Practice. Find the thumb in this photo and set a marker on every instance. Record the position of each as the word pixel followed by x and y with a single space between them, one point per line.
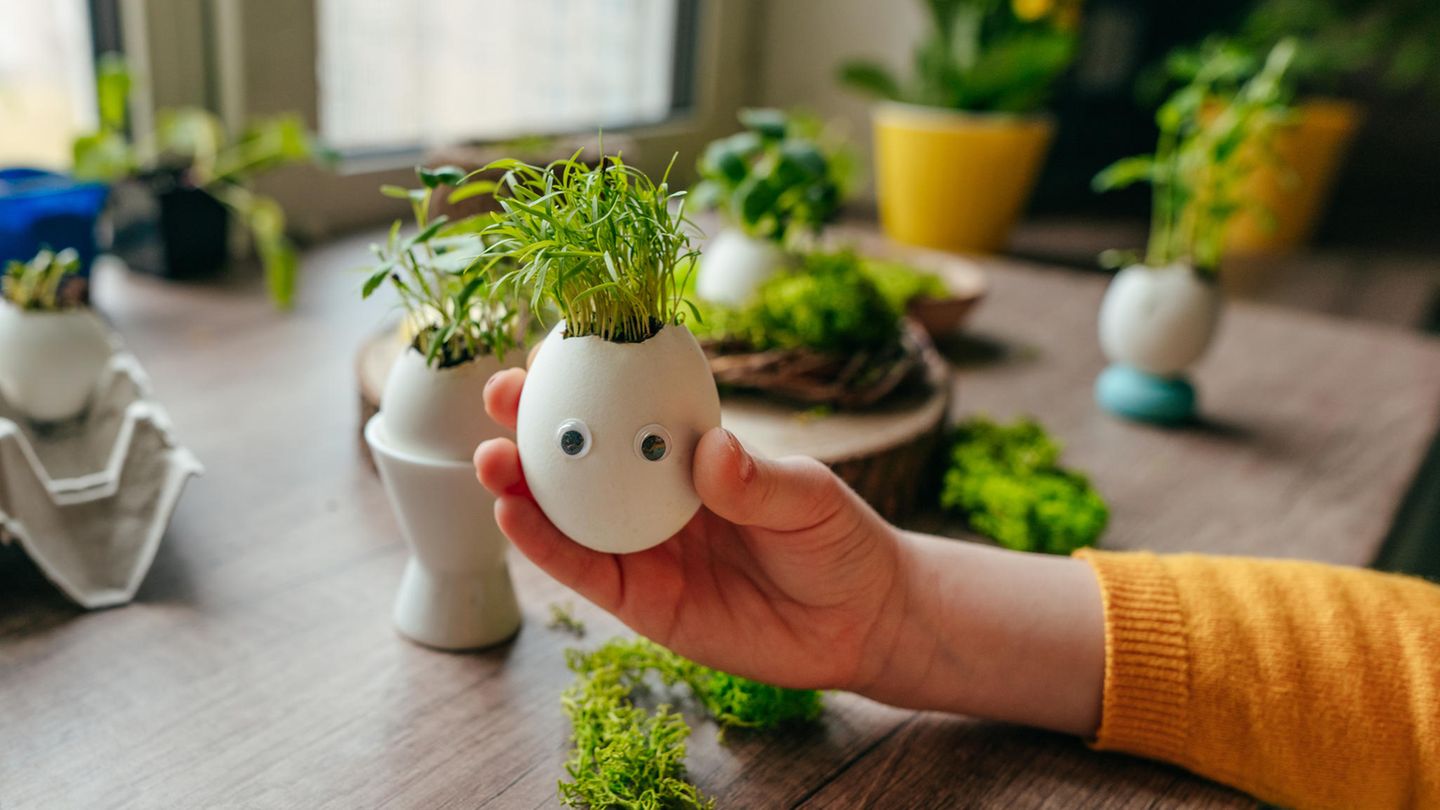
pixel 787 494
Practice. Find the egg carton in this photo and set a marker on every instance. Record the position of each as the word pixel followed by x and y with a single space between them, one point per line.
pixel 89 502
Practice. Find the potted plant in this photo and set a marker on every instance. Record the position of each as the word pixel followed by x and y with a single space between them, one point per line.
pixel 175 192
pixel 1339 45
pixel 619 393
pixel 456 591
pixel 1159 314
pixel 53 351
pixel 775 183
pixel 959 146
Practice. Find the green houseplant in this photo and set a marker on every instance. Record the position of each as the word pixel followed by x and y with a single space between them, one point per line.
pixel 177 189
pixel 1340 46
pixel 1159 315
pixel 456 591
pixel 619 393
pixel 776 183
pixel 53 351
pixel 959 144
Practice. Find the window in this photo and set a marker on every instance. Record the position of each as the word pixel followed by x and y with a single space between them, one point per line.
pixel 473 70
pixel 47 80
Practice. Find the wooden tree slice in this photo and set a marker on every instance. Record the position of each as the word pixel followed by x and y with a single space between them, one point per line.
pixel 884 453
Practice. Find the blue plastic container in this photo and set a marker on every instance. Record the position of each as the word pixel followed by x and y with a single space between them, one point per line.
pixel 40 209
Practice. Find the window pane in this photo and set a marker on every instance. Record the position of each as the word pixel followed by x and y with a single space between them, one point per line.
pixel 463 70
pixel 47 80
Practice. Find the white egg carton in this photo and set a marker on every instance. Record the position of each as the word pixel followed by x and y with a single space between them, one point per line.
pixel 89 504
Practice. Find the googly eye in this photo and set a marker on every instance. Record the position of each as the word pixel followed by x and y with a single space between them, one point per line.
pixel 573 436
pixel 652 443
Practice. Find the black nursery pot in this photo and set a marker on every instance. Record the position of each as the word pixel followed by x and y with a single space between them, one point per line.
pixel 166 226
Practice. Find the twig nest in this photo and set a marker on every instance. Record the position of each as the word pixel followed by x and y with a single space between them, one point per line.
pixel 735 264
pixel 607 434
pixel 811 377
pixel 439 413
pixel 50 361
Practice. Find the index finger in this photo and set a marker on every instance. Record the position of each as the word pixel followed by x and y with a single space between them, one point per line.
pixel 502 396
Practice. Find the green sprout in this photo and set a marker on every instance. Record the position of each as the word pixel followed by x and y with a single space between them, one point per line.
pixel 829 303
pixel 981 56
pixel 452 305
pixel 1201 158
pixel 1006 482
pixel 625 756
pixel 777 179
pixel 604 245
pixel 562 618
pixel 35 285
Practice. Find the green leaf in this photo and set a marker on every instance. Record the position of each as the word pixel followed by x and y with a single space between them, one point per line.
pixel 1125 172
pixel 871 79
pixel 440 176
pixel 474 188
pixel 767 123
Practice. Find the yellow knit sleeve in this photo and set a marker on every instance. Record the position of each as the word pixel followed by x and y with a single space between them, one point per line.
pixel 1303 684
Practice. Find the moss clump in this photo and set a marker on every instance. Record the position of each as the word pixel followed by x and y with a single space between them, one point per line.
pixel 1006 482
pixel 899 284
pixel 626 756
pixel 828 304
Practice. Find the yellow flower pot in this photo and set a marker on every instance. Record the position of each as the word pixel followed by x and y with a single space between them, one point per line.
pixel 955 180
pixel 1294 187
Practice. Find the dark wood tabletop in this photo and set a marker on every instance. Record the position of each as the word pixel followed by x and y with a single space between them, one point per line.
pixel 257 666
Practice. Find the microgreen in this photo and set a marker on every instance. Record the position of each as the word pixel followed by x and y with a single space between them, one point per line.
pixel 780 178
pixel 1211 131
pixel 433 271
pixel 1006 482
pixel 626 756
pixel 35 285
pixel 828 303
pixel 981 56
pixel 604 245
pixel 562 618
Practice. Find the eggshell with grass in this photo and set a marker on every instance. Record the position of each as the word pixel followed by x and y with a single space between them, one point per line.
pixel 607 435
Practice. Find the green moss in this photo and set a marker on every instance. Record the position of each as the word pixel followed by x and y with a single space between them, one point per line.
pixel 626 756
pixel 1006 482
pixel 899 284
pixel 828 304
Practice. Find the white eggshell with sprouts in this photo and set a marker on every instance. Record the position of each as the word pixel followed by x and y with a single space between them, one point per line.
pixel 50 362
pixel 590 413
pixel 735 264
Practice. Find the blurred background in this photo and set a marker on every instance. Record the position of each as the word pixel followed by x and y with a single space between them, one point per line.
pixel 385 86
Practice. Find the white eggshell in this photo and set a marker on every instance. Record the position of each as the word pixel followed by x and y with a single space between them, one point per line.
pixel 439 413
pixel 611 498
pixel 735 264
pixel 1160 319
pixel 50 362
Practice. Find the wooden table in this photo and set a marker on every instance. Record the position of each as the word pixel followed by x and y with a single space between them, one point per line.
pixel 257 667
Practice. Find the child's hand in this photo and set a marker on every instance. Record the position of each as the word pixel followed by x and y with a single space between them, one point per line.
pixel 784 575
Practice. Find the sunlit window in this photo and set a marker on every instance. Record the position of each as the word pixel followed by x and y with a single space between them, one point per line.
pixel 47 82
pixel 465 70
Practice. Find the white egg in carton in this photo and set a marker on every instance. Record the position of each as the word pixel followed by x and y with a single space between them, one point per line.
pixel 89 502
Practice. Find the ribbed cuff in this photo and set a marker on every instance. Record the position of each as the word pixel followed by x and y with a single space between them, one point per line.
pixel 1147 657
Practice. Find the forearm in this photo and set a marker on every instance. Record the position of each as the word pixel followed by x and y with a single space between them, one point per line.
pixel 995 634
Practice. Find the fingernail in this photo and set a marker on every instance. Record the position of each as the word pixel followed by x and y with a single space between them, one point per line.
pixel 490 381
pixel 747 464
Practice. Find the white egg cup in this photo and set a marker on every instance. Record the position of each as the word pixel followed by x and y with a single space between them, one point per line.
pixel 735 264
pixel 607 435
pixel 456 592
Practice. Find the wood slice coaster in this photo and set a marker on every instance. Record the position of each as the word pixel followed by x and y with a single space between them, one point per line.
pixel 884 453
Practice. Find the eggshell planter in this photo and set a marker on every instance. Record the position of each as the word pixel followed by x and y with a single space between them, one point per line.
pixel 1154 324
pixel 607 434
pixel 735 264
pixel 90 504
pixel 456 591
pixel 50 362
